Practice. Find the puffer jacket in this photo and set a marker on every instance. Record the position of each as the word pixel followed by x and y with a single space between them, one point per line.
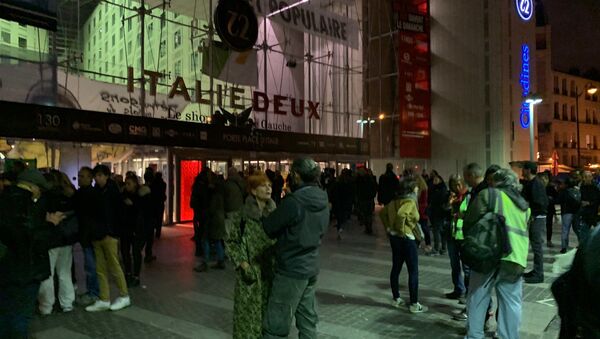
pixel 401 217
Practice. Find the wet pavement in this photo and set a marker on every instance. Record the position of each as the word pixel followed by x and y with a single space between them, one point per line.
pixel 354 299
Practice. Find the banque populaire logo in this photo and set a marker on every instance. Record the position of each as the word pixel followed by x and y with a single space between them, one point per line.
pixel 525 9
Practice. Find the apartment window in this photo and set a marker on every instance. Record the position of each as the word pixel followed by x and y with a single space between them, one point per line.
pixel 573 161
pixel 556 112
pixel 595 143
pixel 121 54
pixel 22 42
pixel 89 29
pixel 556 90
pixel 193 61
pixel 129 47
pixel 588 141
pixel 150 29
pixel 573 89
pixel 94 23
pixel 588 120
pixel 113 40
pixel 178 68
pixel 564 112
pixel 100 14
pixel 564 87
pixel 94 41
pixel 573 117
pixel 177 39
pixel 99 55
pixel 556 140
pixel 106 27
pixel 106 46
pixel 129 25
pixel 6 37
pixel 106 66
pixel 114 19
pixel 162 48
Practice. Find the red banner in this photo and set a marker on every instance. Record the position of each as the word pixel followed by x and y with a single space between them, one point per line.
pixel 414 77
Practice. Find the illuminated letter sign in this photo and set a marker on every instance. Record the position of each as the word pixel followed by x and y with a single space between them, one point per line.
pixel 525 82
pixel 524 9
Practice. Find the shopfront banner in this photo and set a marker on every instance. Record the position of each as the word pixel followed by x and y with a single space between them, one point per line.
pixel 414 85
pixel 311 18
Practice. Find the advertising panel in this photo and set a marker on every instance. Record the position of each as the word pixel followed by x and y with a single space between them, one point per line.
pixel 414 77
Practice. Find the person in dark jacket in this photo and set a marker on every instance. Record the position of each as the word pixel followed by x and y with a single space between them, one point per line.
pixel 342 200
pixel 278 183
pixel 87 200
pixel 388 185
pixel 60 198
pixel 138 208
pixel 235 192
pixel 298 224
pixel 199 201
pixel 590 201
pixel 552 193
pixel 439 213
pixel 215 221
pixel 150 224
pixel 534 192
pixel 28 231
pixel 570 205
pixel 106 243
pixel 159 195
pixel 366 190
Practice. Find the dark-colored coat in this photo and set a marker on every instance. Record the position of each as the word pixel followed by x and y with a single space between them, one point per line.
pixel 534 192
pixel 235 191
pixel 366 187
pixel 27 236
pixel 137 219
pixel 570 200
pixel 87 207
pixel 388 186
pixel 216 211
pixel 110 207
pixel 591 194
pixel 298 224
pixel 438 209
pixel 277 185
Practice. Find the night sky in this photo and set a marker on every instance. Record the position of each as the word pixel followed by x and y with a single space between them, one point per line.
pixel 575 33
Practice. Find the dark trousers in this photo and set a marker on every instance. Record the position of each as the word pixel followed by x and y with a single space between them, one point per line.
pixel 405 250
pixel 536 238
pixel 549 224
pixel 149 239
pixel 460 282
pixel 131 246
pixel 291 297
pixel 159 220
pixel 199 232
pixel 438 228
pixel 365 214
pixel 17 306
pixel 425 227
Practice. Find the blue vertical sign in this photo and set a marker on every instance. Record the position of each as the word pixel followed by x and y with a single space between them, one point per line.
pixel 525 81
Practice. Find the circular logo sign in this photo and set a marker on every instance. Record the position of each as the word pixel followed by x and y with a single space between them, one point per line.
pixel 236 24
pixel 525 9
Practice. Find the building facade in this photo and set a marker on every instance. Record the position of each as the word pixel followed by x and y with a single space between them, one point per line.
pixel 482 67
pixel 567 107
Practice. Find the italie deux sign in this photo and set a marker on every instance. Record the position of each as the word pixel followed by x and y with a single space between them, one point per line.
pixel 288 112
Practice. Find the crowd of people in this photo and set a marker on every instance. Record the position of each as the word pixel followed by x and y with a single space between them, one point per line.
pixel 270 230
pixel 42 215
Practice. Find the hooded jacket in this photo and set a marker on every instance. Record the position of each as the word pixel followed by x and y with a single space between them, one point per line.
pixel 400 218
pixel 298 224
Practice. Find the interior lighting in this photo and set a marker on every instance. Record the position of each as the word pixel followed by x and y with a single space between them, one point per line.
pixel 288 7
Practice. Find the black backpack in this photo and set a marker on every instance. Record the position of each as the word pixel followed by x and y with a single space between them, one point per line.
pixel 487 241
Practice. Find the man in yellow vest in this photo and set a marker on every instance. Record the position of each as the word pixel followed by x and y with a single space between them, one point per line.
pixel 507 280
pixel 458 201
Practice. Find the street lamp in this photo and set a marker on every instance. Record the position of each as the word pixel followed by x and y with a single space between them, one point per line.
pixel 532 100
pixel 591 90
pixel 363 122
pixel 381 117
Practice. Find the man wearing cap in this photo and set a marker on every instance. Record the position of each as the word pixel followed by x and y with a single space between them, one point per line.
pixel 534 192
pixel 28 231
pixel 298 225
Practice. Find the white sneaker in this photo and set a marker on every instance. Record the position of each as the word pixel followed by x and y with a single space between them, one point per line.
pixel 98 306
pixel 67 309
pixel 418 308
pixel 397 302
pixel 120 303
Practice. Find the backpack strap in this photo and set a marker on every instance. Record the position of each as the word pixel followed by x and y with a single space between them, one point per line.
pixel 492 194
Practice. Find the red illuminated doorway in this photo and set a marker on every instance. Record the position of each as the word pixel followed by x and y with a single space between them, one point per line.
pixel 188 170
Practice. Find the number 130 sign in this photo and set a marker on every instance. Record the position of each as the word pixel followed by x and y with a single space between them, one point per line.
pixel 236 24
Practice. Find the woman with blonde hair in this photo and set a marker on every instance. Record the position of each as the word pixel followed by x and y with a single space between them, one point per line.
pixel 252 254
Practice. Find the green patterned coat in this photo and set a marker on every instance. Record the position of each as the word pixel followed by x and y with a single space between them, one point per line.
pixel 253 285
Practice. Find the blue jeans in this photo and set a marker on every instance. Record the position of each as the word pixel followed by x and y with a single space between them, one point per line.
pixel 17 307
pixel 458 267
pixel 218 247
pixel 567 221
pixel 89 266
pixel 405 250
pixel 510 296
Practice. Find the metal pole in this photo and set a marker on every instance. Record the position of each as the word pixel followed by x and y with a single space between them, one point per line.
pixel 577 95
pixel 531 132
pixel 381 138
pixel 265 64
pixel 309 59
pixel 142 12
pixel 210 58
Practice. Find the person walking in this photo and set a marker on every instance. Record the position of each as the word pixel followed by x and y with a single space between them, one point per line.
pixel 27 231
pixel 366 190
pixel 400 218
pixel 506 279
pixel 159 195
pixel 342 200
pixel 388 185
pixel 86 201
pixel 534 192
pixel 298 224
pixel 150 224
pixel 199 203
pixel 59 198
pixel 439 211
pixel 215 222
pixel 570 205
pixel 252 253
pixel 106 243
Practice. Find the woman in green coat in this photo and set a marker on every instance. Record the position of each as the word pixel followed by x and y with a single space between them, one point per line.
pixel 252 254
